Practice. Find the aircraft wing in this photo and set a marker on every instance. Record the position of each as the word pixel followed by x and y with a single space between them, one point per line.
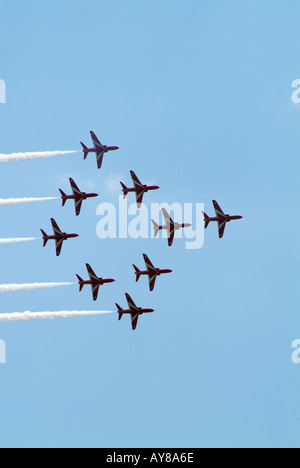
pixel 78 204
pixel 152 273
pixel 75 189
pixel 139 188
pixel 221 227
pixel 152 279
pixel 218 211
pixel 96 142
pixel 59 243
pixel 170 227
pixel 91 273
pixel 99 157
pixel 95 290
pixel 134 320
pixel 131 304
pixel 148 264
pixel 171 236
pixel 168 219
pixel 95 281
pixel 139 198
pixel 137 183
pixel 56 230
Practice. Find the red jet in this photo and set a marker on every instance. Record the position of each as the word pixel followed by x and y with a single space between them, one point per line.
pixel 99 149
pixel 133 310
pixel 170 226
pixel 77 196
pixel 58 236
pixel 221 218
pixel 94 281
pixel 138 188
pixel 151 272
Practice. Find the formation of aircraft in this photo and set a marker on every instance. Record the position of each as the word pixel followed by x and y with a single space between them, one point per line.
pixel 77 196
pixel 139 189
pixel 94 281
pixel 98 149
pixel 221 218
pixel 133 310
pixel 151 272
pixel 171 227
pixel 58 236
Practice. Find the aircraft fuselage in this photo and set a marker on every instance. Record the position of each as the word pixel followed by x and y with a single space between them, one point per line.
pixel 100 281
pixel 103 148
pixel 83 196
pixel 63 236
pixel 227 218
pixel 158 271
pixel 144 188
pixel 139 310
pixel 177 226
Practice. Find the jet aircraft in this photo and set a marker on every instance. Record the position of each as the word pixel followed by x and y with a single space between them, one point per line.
pixel 58 236
pixel 98 148
pixel 77 196
pixel 133 310
pixel 151 272
pixel 170 226
pixel 94 281
pixel 139 189
pixel 221 218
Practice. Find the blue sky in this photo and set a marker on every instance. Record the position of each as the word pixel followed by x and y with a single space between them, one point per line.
pixel 198 97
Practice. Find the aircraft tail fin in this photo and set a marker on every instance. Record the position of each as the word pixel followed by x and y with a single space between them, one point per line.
pixel 80 281
pixel 206 219
pixel 124 190
pixel 45 239
pixel 156 228
pixel 119 311
pixel 63 197
pixel 84 149
pixel 137 273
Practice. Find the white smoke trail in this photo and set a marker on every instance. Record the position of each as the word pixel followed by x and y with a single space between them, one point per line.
pixel 28 286
pixel 16 201
pixel 34 155
pixel 20 316
pixel 17 239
